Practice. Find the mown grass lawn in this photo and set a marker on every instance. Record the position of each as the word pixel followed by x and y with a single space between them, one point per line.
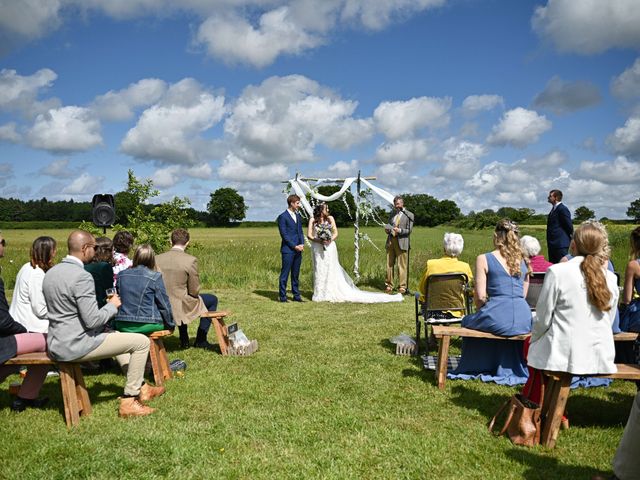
pixel 324 397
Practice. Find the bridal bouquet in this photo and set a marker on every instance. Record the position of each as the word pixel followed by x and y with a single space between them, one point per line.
pixel 323 233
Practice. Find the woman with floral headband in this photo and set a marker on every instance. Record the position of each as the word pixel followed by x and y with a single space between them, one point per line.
pixel 502 279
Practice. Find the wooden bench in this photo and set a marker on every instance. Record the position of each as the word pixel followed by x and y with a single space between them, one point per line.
pixel 158 356
pixel 444 333
pixel 74 392
pixel 217 318
pixel 222 334
pixel 557 393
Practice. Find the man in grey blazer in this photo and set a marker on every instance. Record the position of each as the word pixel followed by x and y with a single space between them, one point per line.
pixel 398 230
pixel 77 325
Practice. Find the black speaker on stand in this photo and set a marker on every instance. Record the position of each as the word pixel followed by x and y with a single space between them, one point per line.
pixel 103 211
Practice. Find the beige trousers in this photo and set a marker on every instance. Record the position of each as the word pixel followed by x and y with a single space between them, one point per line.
pixel 626 463
pixel 396 255
pixel 131 348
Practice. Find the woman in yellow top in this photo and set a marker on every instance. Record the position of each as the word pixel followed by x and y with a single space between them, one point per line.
pixel 452 244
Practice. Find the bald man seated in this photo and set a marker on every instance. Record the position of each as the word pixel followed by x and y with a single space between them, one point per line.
pixel 77 325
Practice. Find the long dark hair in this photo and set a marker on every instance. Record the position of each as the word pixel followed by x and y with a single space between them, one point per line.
pixel 318 210
pixel 42 252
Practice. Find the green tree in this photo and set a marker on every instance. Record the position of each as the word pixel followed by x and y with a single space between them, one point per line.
pixel 634 210
pixel 583 213
pixel 430 211
pixel 518 215
pixel 125 203
pixel 225 206
pixel 153 225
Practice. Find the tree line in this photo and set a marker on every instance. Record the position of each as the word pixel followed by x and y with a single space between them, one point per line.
pixel 226 207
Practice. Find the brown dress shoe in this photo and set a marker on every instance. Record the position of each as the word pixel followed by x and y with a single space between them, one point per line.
pixel 131 407
pixel 147 392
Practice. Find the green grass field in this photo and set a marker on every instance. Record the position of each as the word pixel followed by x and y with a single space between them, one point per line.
pixel 324 396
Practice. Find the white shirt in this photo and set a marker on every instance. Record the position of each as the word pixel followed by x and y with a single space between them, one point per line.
pixel 569 334
pixel 28 306
pixel 293 215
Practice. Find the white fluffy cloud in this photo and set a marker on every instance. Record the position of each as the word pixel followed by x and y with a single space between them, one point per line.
pixel 171 175
pixel 402 151
pixel 169 131
pixel 236 170
pixel 83 185
pixel 627 84
pixel 65 129
pixel 26 20
pixel 19 93
pixel 474 104
pixel 8 133
pixel 234 39
pixel 343 169
pixel 519 127
pixel 620 171
pixel 564 97
pixel 58 169
pixel 403 118
pixel 121 104
pixel 461 159
pixel 626 139
pixel 283 119
pixel 588 26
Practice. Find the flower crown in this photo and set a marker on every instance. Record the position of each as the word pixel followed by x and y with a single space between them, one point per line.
pixel 509 226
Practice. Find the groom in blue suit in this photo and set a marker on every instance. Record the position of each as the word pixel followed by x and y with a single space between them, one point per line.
pixel 290 226
pixel 559 227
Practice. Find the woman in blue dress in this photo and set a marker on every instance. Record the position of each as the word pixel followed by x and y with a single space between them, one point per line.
pixel 630 319
pixel 502 279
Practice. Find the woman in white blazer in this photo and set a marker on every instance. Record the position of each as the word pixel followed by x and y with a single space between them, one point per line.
pixel 576 308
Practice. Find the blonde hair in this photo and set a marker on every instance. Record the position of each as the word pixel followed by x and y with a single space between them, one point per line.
pixel 145 256
pixel 591 242
pixel 506 240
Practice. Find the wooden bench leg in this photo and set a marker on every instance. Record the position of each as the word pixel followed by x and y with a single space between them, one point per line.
pixel 443 356
pixel 69 396
pixel 221 334
pixel 84 404
pixel 159 361
pixel 559 389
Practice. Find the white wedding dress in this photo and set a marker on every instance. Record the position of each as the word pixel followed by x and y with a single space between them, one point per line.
pixel 332 284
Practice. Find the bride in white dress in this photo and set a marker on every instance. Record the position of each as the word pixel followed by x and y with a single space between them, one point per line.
pixel 330 282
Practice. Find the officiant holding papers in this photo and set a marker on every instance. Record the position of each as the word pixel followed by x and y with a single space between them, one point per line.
pixel 398 229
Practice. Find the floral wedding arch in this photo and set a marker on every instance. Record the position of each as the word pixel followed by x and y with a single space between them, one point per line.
pixel 364 206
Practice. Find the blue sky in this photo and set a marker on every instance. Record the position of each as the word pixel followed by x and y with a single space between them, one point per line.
pixel 489 103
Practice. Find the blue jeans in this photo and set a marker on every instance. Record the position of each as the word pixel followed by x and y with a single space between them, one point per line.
pixel 211 302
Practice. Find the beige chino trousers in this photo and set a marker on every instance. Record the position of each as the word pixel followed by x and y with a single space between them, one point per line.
pixel 395 255
pixel 626 463
pixel 131 348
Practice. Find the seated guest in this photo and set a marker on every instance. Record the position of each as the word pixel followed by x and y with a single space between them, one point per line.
pixel 531 250
pixel 180 275
pixel 28 306
pixel 101 269
pixel 145 305
pixel 500 288
pixel 14 340
pixel 76 324
pixel 453 244
pixel 575 311
pixel 122 243
pixel 630 321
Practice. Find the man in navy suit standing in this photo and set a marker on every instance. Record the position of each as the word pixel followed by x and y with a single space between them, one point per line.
pixel 559 227
pixel 290 226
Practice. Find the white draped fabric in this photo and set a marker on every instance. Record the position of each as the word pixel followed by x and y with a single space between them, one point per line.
pixel 301 188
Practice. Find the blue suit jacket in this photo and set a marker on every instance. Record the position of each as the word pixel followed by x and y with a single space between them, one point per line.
pixel 559 227
pixel 290 232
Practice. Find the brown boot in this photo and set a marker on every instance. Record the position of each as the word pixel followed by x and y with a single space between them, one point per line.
pixel 147 392
pixel 131 407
